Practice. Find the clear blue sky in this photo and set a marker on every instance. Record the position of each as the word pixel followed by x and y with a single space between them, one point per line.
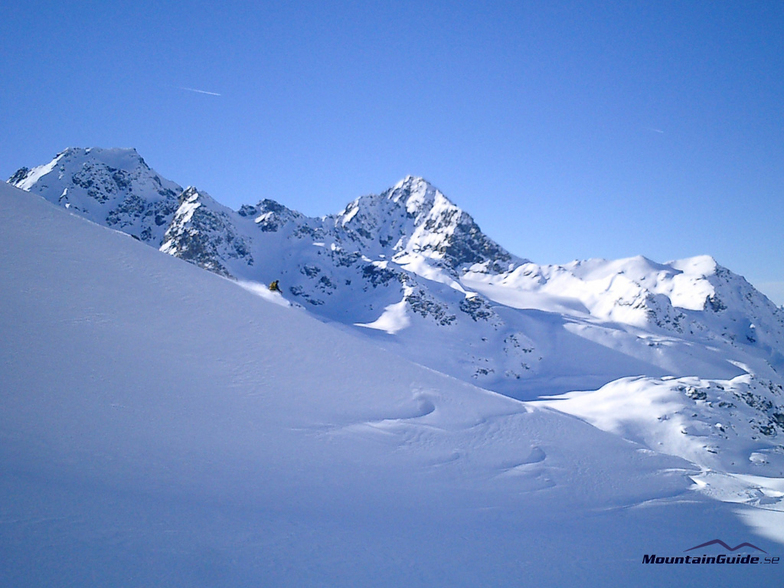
pixel 567 129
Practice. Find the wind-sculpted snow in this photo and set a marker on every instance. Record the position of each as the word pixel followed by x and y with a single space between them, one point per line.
pixel 732 429
pixel 161 425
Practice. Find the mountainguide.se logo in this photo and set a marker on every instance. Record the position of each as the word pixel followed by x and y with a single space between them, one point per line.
pixel 753 557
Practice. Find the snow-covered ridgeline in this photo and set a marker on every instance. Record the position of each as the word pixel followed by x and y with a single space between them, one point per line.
pixel 416 269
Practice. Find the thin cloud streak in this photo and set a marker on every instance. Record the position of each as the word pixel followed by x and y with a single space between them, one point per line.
pixel 199 91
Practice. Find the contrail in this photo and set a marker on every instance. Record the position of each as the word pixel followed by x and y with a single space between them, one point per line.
pixel 655 130
pixel 199 91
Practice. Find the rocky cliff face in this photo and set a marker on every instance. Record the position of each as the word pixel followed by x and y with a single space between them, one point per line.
pixel 203 232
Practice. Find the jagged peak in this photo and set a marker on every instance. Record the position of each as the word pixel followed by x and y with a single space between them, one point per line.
pixel 410 181
pixel 416 217
pixel 192 195
pixel 413 197
pixel 267 205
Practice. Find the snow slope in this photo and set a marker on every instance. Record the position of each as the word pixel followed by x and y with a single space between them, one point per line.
pixel 161 425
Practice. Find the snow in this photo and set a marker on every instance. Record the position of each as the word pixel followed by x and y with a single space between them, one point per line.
pixel 593 286
pixel 420 266
pixel 349 213
pixel 188 207
pixel 394 318
pixel 37 173
pixel 264 292
pixel 716 425
pixel 114 187
pixel 586 324
pixel 162 426
pixel 183 215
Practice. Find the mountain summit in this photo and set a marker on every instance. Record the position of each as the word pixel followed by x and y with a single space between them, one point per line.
pixel 415 218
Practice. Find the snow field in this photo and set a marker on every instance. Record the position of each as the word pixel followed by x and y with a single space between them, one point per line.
pixel 162 426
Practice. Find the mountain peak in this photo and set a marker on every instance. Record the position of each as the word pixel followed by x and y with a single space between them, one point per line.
pixel 112 186
pixel 102 173
pixel 417 195
pixel 193 195
pixel 414 219
pixel 410 181
pixel 126 158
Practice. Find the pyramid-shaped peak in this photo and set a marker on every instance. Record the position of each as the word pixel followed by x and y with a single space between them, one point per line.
pixel 411 185
pixel 418 195
pixel 411 182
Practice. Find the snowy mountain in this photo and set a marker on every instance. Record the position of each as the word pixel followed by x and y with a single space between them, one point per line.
pixel 114 187
pixel 684 357
pixel 410 269
pixel 161 425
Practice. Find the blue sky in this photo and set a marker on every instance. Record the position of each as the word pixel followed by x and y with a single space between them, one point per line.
pixel 567 129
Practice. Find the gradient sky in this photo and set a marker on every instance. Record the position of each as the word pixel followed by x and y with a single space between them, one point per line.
pixel 568 130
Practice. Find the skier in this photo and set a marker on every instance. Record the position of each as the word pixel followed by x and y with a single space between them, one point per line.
pixel 274 286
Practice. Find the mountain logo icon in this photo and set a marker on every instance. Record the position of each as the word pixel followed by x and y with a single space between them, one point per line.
pixel 725 546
